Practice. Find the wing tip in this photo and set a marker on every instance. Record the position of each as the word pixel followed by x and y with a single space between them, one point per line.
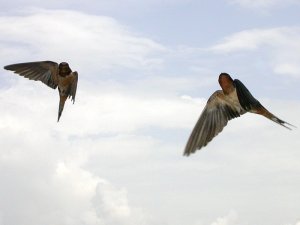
pixel 186 154
pixel 189 151
pixel 7 67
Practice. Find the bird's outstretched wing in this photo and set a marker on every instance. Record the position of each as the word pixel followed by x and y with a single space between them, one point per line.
pixel 213 119
pixel 45 71
pixel 74 86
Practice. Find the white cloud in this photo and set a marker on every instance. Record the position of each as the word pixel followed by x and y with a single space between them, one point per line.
pixel 95 112
pixel 44 182
pixel 255 38
pixel 281 45
pixel 76 37
pixel 288 68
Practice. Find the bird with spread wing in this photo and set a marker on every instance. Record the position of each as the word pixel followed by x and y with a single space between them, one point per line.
pixel 223 105
pixel 53 75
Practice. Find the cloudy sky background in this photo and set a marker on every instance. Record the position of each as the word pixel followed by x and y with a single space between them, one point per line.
pixel 146 70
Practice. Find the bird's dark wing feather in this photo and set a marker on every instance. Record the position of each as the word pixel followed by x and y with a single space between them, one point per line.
pixel 213 119
pixel 246 99
pixel 74 86
pixel 45 71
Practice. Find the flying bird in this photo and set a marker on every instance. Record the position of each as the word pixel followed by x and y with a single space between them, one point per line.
pixel 223 105
pixel 53 75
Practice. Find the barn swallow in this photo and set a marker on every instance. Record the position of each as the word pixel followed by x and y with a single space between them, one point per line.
pixel 223 105
pixel 53 75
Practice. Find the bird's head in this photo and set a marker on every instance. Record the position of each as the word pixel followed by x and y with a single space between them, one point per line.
pixel 64 69
pixel 226 83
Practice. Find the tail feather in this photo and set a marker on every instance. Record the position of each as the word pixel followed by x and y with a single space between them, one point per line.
pixel 264 112
pixel 62 101
pixel 281 122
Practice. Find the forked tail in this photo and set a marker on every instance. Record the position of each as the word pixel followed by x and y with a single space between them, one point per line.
pixel 263 111
pixel 281 122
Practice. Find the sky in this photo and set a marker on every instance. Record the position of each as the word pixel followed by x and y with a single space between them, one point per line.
pixel 146 69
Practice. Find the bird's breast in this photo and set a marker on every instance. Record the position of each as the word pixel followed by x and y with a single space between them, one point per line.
pixel 64 84
pixel 233 100
pixel 65 81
